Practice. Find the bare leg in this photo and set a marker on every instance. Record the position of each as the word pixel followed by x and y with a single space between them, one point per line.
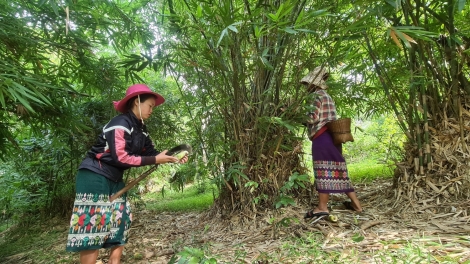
pixel 354 201
pixel 322 203
pixel 88 256
pixel 115 255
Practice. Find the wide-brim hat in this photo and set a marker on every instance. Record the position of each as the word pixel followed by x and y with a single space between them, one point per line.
pixel 134 90
pixel 316 77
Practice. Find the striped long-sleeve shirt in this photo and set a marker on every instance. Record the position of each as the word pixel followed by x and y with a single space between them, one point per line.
pixel 324 112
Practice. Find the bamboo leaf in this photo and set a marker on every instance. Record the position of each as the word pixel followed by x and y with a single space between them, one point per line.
pixel 142 66
pixel 266 63
pixel 221 36
pixel 307 30
pixel 258 31
pixel 417 32
pixel 290 30
pixel 300 18
pixel 404 37
pixel 273 17
pixel 410 39
pixel 283 123
pixel 395 3
pixel 457 40
pixel 225 31
pixel 232 28
pixel 358 24
pixel 55 7
pixel 306 19
pixel 199 11
pixel 394 37
pixel 41 96
pixel 283 11
pixel 2 99
pixel 265 52
pixel 461 5
pixel 26 93
pixel 22 100
pixel 319 12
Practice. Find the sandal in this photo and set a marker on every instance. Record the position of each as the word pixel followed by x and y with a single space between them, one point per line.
pixel 311 214
pixel 348 205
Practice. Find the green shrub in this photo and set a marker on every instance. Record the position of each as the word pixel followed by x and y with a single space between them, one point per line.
pixel 380 139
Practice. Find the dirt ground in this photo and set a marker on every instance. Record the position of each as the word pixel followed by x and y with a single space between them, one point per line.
pixel 442 228
pixel 436 227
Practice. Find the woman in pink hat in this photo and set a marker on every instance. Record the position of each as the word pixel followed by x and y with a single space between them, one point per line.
pixel 329 165
pixel 124 143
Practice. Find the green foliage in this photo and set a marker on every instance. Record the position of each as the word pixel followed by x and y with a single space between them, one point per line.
pixel 186 174
pixel 192 256
pixel 31 241
pixel 60 75
pixel 252 97
pixel 357 238
pixel 229 73
pixel 284 200
pixel 295 181
pixel 378 139
pixel 370 170
pixel 42 171
pixel 235 174
pixel 45 64
pixel 174 201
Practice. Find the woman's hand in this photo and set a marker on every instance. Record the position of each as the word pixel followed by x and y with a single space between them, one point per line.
pixel 162 158
pixel 184 159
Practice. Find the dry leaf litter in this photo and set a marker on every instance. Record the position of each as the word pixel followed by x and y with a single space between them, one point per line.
pixel 431 213
pixel 441 229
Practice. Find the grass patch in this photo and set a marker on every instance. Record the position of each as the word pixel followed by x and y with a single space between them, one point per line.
pixel 4 226
pixel 39 242
pixel 369 170
pixel 191 199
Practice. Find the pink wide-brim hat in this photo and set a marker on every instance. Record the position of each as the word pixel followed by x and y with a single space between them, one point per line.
pixel 135 90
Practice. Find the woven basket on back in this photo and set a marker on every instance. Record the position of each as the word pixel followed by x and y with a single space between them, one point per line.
pixel 341 130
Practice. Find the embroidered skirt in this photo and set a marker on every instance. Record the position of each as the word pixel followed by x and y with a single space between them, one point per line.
pixel 96 222
pixel 329 166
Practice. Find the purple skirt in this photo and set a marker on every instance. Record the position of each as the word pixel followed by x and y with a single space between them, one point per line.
pixel 329 166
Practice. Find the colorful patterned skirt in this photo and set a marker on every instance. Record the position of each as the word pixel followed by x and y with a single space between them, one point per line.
pixel 329 166
pixel 96 222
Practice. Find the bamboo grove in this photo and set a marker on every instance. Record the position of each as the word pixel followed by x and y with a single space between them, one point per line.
pixel 231 70
pixel 411 54
pixel 430 101
pixel 246 60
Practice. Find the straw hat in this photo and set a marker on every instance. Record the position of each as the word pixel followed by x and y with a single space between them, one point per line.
pixel 133 91
pixel 316 77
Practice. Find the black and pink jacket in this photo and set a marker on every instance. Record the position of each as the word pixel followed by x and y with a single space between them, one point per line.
pixel 124 143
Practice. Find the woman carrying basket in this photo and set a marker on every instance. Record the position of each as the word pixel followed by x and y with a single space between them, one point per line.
pixel 329 165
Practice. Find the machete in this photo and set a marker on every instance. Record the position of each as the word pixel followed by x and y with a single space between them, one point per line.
pixel 179 151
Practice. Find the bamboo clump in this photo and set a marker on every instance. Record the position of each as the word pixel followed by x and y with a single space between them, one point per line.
pixel 448 171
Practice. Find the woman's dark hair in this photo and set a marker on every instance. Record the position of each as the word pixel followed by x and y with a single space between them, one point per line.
pixel 143 98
